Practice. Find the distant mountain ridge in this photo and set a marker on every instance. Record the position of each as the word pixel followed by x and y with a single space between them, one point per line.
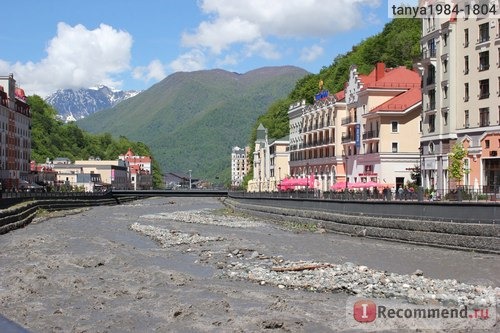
pixel 73 104
pixel 191 120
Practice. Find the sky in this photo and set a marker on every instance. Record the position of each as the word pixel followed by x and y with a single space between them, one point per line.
pixel 131 45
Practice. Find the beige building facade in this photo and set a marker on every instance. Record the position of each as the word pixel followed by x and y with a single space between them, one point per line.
pixel 240 165
pixel 382 128
pixel 461 84
pixel 317 149
pixel 270 162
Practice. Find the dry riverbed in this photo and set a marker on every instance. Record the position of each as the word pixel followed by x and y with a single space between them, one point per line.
pixel 188 264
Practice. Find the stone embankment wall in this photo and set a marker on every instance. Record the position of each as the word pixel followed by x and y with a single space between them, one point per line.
pixel 21 213
pixel 466 234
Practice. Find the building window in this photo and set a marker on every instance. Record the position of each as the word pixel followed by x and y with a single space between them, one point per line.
pixel 445 118
pixel 466 92
pixel 394 126
pixel 431 46
pixel 484 117
pixel 484 61
pixel 466 65
pixel 484 89
pixel 466 119
pixel 432 123
pixel 445 92
pixel 394 147
pixel 431 75
pixel 431 148
pixel 432 100
pixel 487 144
pixel 484 33
pixel 445 65
pixel 466 37
pixel 445 39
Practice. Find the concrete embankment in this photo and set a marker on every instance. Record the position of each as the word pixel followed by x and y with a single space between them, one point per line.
pixel 481 235
pixel 20 214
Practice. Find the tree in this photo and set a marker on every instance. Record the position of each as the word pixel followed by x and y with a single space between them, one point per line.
pixel 456 162
pixel 51 138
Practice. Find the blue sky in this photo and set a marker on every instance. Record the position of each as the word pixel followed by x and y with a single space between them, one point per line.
pixel 55 44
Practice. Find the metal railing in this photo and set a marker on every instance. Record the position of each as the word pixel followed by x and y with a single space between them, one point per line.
pixel 461 194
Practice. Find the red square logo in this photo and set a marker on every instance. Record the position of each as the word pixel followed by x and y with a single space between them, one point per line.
pixel 365 311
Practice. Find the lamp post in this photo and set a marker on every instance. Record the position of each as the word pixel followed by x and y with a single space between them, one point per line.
pixel 421 187
pixel 307 182
pixel 346 174
pixel 189 179
pixel 279 178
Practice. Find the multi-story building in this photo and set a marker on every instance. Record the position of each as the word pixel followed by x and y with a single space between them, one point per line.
pixel 279 159
pixel 113 174
pixel 15 134
pixel 240 165
pixel 382 127
pixel 139 167
pixel 316 148
pixel 270 162
pixel 461 84
pixel 369 132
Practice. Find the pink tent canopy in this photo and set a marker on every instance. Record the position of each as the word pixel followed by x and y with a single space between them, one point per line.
pixel 339 186
pixel 290 183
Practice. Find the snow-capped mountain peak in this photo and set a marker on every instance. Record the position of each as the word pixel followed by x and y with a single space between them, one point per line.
pixel 73 104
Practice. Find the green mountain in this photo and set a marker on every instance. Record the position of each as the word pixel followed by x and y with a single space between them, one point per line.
pixel 191 120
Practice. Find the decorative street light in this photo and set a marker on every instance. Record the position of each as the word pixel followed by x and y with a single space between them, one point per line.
pixel 346 174
pixel 189 179
pixel 279 177
pixel 307 177
pixel 421 187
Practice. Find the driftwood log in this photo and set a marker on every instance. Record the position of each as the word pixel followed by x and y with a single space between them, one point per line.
pixel 297 268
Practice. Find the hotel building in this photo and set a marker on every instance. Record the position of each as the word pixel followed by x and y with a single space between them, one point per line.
pixel 461 83
pixel 15 134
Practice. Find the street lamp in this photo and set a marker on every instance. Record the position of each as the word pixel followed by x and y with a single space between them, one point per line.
pixel 189 179
pixel 307 177
pixel 421 187
pixel 346 174
pixel 279 178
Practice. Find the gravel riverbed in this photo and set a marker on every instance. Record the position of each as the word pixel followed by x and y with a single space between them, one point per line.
pixel 188 264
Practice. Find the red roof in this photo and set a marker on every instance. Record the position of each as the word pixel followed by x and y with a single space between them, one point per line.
pixel 399 77
pixel 340 95
pixel 401 102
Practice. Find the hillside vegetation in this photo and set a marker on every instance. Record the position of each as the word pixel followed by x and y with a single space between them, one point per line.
pixel 52 138
pixel 191 121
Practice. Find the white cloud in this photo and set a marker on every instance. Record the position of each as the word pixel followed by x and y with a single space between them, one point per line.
pixel 311 53
pixel 262 48
pixel 247 21
pixel 252 24
pixel 154 71
pixel 191 61
pixel 76 57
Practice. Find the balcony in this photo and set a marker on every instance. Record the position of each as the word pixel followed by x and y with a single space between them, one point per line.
pixel 348 120
pixel 346 138
pixel 370 135
pixel 428 53
pixel 430 106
